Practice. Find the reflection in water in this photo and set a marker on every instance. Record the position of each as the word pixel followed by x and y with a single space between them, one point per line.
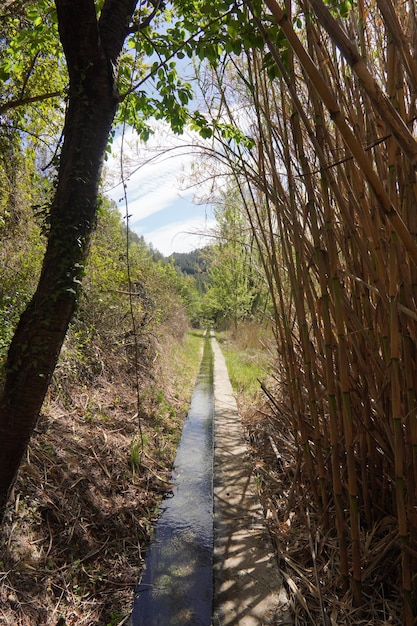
pixel 177 584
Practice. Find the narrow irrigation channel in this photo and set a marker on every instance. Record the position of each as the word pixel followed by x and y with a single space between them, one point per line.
pixel 177 586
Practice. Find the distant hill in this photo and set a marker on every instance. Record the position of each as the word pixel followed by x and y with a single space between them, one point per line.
pixel 194 263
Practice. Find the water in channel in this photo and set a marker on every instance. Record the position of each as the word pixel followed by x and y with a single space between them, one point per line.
pixel 177 586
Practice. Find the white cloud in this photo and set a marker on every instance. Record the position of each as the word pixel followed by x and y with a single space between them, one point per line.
pixel 152 172
pixel 181 236
pixel 144 202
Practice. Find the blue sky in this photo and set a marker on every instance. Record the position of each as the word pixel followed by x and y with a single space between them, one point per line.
pixel 162 203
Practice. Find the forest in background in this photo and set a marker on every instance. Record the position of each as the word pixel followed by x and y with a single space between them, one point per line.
pixel 308 131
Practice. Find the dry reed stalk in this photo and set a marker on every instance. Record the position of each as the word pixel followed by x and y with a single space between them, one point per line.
pixel 398 440
pixel 263 227
pixel 349 138
pixel 380 100
pixel 304 299
pixel 381 269
pixel 301 318
pixel 320 425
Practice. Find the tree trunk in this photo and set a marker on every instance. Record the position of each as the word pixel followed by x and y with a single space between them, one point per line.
pixel 91 48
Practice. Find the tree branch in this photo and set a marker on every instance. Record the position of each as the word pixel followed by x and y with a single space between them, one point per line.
pixel 14 104
pixel 28 73
pixel 135 28
pixel 78 31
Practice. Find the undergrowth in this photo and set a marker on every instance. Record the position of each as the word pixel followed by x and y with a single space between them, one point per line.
pixel 87 495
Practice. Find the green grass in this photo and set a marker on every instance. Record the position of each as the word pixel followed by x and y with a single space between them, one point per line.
pixel 244 372
pixel 246 359
pixel 188 358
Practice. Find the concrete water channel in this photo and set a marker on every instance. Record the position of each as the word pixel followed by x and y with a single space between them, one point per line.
pixel 210 561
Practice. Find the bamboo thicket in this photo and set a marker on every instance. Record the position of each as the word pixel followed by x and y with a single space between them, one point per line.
pixel 329 190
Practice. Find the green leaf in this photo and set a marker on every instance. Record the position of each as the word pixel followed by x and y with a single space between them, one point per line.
pixel 340 8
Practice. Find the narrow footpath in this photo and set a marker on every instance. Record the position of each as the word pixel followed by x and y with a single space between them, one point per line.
pixel 248 588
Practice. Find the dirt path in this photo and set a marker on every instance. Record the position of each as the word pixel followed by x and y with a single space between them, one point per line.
pixel 248 587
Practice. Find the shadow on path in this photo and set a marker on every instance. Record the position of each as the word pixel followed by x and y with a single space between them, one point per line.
pixel 248 588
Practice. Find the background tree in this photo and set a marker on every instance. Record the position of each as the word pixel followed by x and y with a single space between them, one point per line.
pixel 234 289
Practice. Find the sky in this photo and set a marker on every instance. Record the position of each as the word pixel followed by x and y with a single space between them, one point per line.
pixel 163 205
